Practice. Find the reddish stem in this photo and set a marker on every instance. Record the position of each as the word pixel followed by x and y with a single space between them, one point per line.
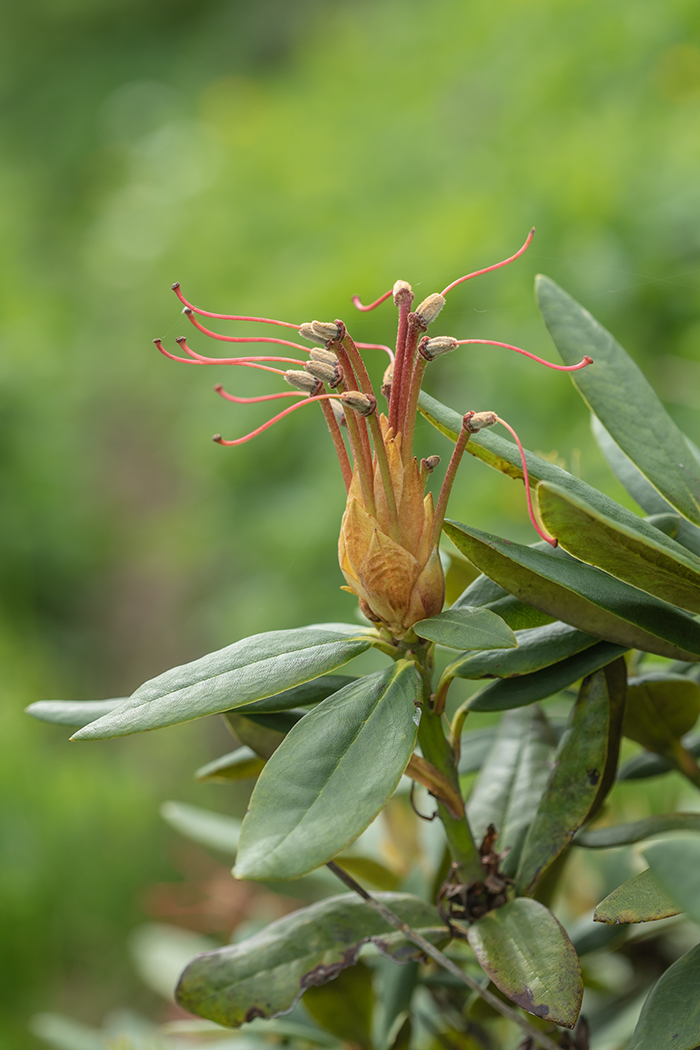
pixel 252 400
pixel 240 338
pixel 404 310
pixel 249 362
pixel 586 360
pixel 450 474
pixel 356 301
pixel 526 478
pixel 496 266
pixel 228 317
pixel 339 444
pixel 275 419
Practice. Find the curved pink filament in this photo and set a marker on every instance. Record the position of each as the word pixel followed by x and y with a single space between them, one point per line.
pixel 356 301
pixel 377 346
pixel 275 419
pixel 526 477
pixel 233 360
pixel 250 362
pixel 240 338
pixel 496 266
pixel 250 400
pixel 228 317
pixel 560 368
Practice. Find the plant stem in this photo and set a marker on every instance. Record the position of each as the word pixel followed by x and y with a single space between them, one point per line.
pixel 439 957
pixel 450 474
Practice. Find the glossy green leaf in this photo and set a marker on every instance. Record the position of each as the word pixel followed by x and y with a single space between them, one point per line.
pixel 507 791
pixel 507 693
pixel 368 870
pixel 675 863
pixel 640 899
pixel 574 783
pixel 622 551
pixel 252 669
pixel 213 830
pixel 72 712
pixel 344 1006
pixel 331 776
pixel 537 648
pixel 627 834
pixel 467 628
pixel 670 1017
pixel 243 764
pixel 528 955
pixel 305 695
pixel 661 708
pixel 504 456
pixel 263 734
pixel 485 594
pixel 581 595
pixel 646 764
pixel 615 388
pixel 265 975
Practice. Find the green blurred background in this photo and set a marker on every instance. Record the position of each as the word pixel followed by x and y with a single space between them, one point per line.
pixel 275 158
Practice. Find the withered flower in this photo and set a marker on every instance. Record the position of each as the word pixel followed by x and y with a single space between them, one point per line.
pixel 390 532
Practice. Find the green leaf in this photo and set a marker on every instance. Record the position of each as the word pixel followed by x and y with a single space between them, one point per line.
pixel 627 834
pixel 467 628
pixel 72 712
pixel 615 389
pixel 252 669
pixel 242 764
pixel 670 1017
pixel 640 899
pixel 507 791
pixel 675 863
pixel 474 747
pixel 537 648
pixel 528 955
pixel 344 1007
pixel 508 693
pixel 662 707
pixel 483 593
pixel 265 975
pixel 305 695
pixel 624 552
pixel 504 456
pixel 644 765
pixel 213 830
pixel 574 784
pixel 331 776
pixel 581 595
pixel 263 734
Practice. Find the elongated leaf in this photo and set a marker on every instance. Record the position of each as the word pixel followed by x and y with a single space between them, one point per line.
pixel 670 1017
pixel 243 764
pixel 528 955
pixel 263 734
pixel 72 712
pixel 504 456
pixel 615 388
pixel 474 747
pixel 640 899
pixel 345 1005
pixel 305 695
pixel 214 830
pixel 508 693
pixel 537 648
pixel 265 975
pixel 675 863
pixel 331 776
pixel 644 765
pixel 573 786
pixel 622 551
pixel 660 709
pixel 627 834
pixel 581 595
pixel 467 628
pixel 507 791
pixel 249 670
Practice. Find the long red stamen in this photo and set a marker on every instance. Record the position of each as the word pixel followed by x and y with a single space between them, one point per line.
pixel 249 362
pixel 377 346
pixel 526 478
pixel 356 301
pixel 251 400
pixel 240 338
pixel 496 266
pixel 228 317
pixel 275 419
pixel 586 360
pixel 181 339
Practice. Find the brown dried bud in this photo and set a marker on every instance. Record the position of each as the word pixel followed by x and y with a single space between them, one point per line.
pixel 402 290
pixel 319 331
pixel 478 420
pixel 361 403
pixel 442 344
pixel 302 381
pixel 327 356
pixel 387 381
pixel 430 307
pixel 330 374
pixel 430 464
pixel 338 412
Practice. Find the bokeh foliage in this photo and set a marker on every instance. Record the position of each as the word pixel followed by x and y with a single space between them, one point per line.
pixel 276 159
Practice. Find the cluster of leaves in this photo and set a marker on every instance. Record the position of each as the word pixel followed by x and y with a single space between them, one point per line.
pixel 611 608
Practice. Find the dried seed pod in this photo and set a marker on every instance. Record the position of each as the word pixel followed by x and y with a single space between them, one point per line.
pixel 338 412
pixel 429 309
pixel 325 331
pixel 331 374
pixel 327 356
pixel 402 290
pixel 302 381
pixel 387 381
pixel 430 463
pixel 478 420
pixel 361 403
pixel 442 344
